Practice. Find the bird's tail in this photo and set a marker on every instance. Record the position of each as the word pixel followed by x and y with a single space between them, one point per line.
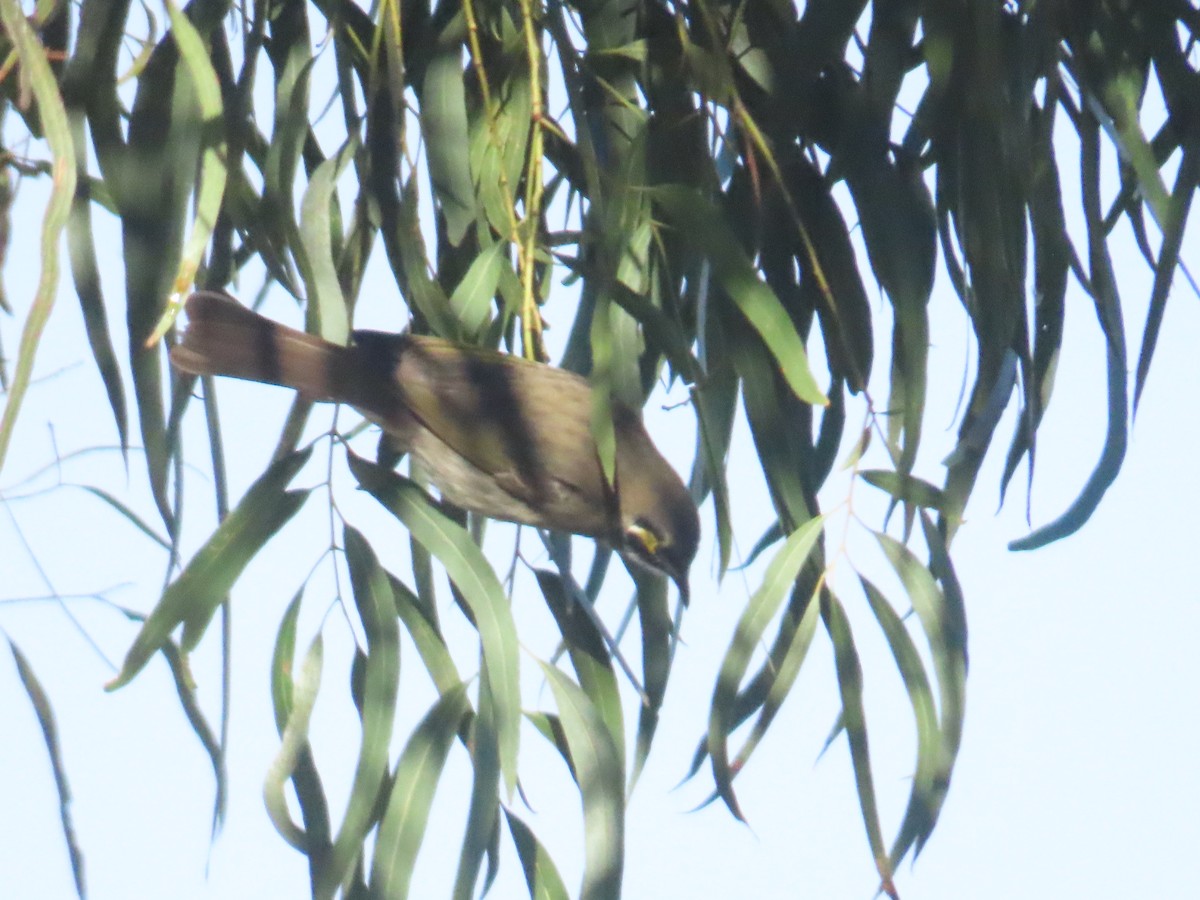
pixel 225 338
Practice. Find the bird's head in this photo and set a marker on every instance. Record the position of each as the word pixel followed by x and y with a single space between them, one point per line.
pixel 661 529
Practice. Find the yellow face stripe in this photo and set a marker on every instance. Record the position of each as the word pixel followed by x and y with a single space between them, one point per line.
pixel 644 536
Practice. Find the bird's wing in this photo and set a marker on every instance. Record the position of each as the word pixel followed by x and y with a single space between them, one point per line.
pixel 527 425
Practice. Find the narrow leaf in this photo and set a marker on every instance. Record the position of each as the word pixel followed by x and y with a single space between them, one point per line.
pixel 36 68
pixel 294 740
pixel 832 277
pixel 780 438
pixel 944 628
pixel 134 519
pixel 430 644
pixel 402 827
pixel 906 488
pixel 211 186
pixel 1107 301
pixel 194 596
pixel 659 636
pixel 854 721
pixel 472 299
pixel 598 771
pixel 447 140
pixel 45 716
pixel 589 655
pixel 283 687
pixel 926 795
pixel 702 224
pixel 81 248
pixel 327 305
pixel 541 875
pixel 380 687
pixel 1177 211
pixel 480 589
pixel 786 671
pixel 779 577
pixel 483 814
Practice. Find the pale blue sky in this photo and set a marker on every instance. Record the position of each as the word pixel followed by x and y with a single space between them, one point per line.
pixel 1078 771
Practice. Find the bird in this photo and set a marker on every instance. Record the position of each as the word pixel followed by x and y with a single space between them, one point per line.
pixel 499 435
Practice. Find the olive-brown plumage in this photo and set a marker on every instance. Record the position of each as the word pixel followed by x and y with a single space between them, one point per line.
pixel 499 435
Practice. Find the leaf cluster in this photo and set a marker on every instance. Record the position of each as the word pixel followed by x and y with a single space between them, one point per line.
pixel 706 174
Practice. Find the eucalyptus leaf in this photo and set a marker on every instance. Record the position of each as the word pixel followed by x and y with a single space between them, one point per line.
pixel 194 596
pixel 468 569
pixel 702 224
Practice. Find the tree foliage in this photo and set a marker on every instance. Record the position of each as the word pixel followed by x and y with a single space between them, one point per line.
pixel 704 173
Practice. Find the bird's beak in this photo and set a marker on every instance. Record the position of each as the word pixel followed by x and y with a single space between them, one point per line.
pixel 684 591
pixel 681 582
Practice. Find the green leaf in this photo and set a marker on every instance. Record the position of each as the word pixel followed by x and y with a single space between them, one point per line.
pixel 633 268
pixel 133 518
pixel 152 180
pixel 194 596
pixel 292 59
pixel 380 688
pixel 899 229
pixel 779 578
pixel 36 68
pixel 659 636
pixel 589 655
pixel 549 727
pixel 211 184
pixel 597 767
pixel 709 71
pixel 472 299
pixel 294 741
pixel 447 139
pixel 772 535
pixel 45 716
pixel 422 292
pixel 832 278
pixel 603 378
pixel 785 672
pixel 1180 202
pixel 942 620
pixel 634 50
pixel 81 248
pixel 480 589
pixel 715 401
pixel 853 720
pixel 499 142
pixel 1103 288
pixel 540 873
pixel 402 827
pixel 185 690
pixel 283 688
pixel 430 644
pixel 926 796
pixel 777 428
pixel 1052 259
pixel 703 225
pixel 326 304
pixel 1121 94
pixel 906 488
pixel 483 815
pixel 829 435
